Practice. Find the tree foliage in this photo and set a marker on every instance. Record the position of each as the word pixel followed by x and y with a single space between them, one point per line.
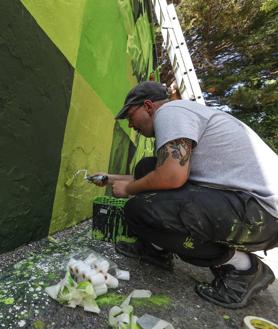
pixel 233 44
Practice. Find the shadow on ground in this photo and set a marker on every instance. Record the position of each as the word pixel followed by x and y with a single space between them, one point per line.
pixel 25 272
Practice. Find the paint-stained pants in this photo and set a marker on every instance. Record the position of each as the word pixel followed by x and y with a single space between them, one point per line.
pixel 202 225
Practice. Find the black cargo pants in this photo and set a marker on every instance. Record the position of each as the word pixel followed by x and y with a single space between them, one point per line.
pixel 202 225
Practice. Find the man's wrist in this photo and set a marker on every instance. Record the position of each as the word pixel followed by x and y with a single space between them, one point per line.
pixel 130 188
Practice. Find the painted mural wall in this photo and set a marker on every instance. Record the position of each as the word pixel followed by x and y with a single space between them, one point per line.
pixel 66 67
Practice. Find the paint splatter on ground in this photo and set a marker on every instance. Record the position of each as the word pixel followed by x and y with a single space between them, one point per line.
pixel 25 273
pixel 22 286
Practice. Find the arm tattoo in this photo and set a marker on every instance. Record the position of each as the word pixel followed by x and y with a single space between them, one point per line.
pixel 180 149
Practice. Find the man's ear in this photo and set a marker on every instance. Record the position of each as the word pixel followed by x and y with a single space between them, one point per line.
pixel 149 105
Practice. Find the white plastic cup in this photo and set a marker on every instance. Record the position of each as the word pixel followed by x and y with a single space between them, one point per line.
pixel 101 290
pixel 111 281
pixel 71 266
pixel 85 275
pixel 97 279
pixel 91 260
pixel 122 275
pixel 102 265
pixel 93 272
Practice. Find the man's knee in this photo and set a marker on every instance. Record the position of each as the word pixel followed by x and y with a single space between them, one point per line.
pixel 138 211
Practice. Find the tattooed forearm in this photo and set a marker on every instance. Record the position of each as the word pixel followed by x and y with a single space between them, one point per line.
pixel 180 149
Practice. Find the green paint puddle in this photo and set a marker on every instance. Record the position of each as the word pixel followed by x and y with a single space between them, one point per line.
pixel 110 299
pixel 38 324
pixel 97 235
pixel 188 243
pixel 127 239
pixel 24 283
pixel 113 299
pixel 156 300
pixel 7 301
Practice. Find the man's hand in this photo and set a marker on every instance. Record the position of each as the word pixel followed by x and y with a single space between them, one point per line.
pixel 99 182
pixel 120 188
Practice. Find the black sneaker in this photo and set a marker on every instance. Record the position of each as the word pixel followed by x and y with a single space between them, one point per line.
pixel 147 253
pixel 232 288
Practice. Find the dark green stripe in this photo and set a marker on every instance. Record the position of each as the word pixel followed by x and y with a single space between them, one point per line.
pixel 122 151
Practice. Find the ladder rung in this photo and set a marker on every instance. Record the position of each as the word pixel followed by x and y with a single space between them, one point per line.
pixel 182 86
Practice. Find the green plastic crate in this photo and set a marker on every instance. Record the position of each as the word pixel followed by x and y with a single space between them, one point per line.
pixel 108 220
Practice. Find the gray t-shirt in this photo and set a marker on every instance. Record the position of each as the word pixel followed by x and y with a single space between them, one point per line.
pixel 228 154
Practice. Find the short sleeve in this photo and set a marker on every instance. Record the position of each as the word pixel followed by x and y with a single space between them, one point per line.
pixel 173 122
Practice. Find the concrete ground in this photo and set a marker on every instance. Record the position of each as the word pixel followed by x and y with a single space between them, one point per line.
pixel 25 272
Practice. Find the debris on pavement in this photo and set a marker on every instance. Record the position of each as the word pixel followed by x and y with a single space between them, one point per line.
pixel 123 316
pixel 85 281
pixel 148 321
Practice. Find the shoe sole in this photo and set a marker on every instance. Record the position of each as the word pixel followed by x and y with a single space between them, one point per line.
pixel 244 302
pixel 147 259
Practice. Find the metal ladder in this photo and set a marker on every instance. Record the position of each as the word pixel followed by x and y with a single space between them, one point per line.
pixel 175 44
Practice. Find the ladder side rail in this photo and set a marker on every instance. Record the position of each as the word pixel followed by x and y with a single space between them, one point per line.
pixel 181 74
pixel 185 55
pixel 178 52
pixel 183 85
pixel 171 45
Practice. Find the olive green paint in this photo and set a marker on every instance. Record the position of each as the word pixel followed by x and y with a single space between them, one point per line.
pixel 7 301
pixel 35 89
pixel 38 324
pixel 124 238
pixel 154 300
pixel 97 235
pixel 87 143
pixel 242 234
pixel 188 243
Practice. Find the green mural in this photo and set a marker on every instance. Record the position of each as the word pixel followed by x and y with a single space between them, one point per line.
pixel 87 145
pixel 66 67
pixel 35 89
pixel 102 58
pixel 62 22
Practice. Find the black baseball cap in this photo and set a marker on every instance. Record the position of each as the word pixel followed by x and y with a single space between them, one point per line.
pixel 151 90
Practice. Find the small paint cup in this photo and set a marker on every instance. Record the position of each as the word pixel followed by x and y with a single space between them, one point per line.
pixel 97 279
pixel 102 265
pixel 101 290
pixel 111 281
pixel 85 275
pixel 91 260
pixel 122 275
